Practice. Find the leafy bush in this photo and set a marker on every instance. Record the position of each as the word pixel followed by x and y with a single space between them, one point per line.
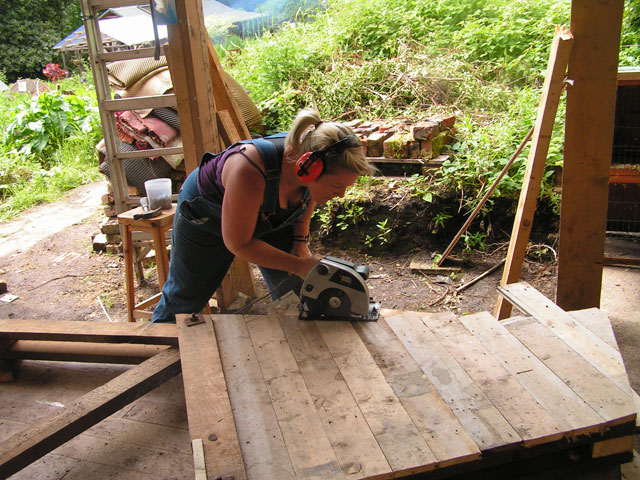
pixel 42 124
pixel 483 60
pixel 49 144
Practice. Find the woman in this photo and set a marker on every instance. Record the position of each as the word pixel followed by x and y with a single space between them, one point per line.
pixel 255 200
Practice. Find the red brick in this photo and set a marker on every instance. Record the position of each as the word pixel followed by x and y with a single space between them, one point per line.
pixel 375 143
pixel 397 146
pixel 425 130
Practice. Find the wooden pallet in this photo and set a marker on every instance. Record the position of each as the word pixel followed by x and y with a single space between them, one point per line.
pixel 415 393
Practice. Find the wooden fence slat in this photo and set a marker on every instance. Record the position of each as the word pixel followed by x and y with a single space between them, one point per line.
pixel 441 429
pixel 480 417
pixel 534 424
pixel 397 435
pixel 258 430
pixel 574 415
pixel 208 407
pixel 310 450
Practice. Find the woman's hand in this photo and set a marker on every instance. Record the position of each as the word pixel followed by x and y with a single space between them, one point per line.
pixel 304 265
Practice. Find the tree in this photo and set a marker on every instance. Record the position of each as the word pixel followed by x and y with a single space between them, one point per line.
pixel 28 31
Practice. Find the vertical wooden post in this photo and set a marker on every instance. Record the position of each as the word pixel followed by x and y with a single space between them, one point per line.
pixel 547 109
pixel 593 66
pixel 189 57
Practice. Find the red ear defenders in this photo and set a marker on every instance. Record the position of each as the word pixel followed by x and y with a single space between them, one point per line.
pixel 310 165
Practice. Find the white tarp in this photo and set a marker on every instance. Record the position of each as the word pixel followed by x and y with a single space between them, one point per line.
pixel 131 30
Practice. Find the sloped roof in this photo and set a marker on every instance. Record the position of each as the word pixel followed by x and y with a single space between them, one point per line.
pixel 133 26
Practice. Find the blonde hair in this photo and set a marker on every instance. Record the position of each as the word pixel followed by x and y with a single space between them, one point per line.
pixel 308 133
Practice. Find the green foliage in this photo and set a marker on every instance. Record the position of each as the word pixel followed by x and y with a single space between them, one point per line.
pixel 42 124
pixel 29 29
pixel 382 237
pixel 352 214
pixel 48 145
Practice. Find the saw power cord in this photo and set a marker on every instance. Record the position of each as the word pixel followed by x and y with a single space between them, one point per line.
pixel 240 310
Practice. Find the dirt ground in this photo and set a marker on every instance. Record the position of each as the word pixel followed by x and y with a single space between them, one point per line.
pixel 47 261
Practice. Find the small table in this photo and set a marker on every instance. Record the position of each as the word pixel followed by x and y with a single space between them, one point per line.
pixel 157 226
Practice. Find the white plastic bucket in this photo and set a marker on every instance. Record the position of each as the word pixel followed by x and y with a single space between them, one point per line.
pixel 158 193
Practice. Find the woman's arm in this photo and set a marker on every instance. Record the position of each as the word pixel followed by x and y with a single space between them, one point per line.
pixel 301 232
pixel 244 190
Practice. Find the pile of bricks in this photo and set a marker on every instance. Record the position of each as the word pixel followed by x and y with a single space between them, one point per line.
pixel 108 240
pixel 405 139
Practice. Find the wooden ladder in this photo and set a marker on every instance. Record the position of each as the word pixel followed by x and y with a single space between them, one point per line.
pixel 203 127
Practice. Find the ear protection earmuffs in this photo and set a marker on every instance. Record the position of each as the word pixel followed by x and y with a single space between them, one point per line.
pixel 310 165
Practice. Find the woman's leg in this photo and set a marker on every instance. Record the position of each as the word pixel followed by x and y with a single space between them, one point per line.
pixel 199 259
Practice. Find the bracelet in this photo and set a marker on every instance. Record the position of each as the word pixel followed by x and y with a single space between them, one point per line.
pixel 301 238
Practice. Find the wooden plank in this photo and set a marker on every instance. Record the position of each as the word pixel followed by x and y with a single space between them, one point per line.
pixel 438 425
pixel 100 332
pixel 598 322
pixel 25 447
pixel 199 464
pixel 123 353
pixel 260 437
pixel 309 448
pixel 591 99
pixel 208 407
pixel 612 403
pixel 397 435
pixel 353 442
pixel 545 119
pixel 127 54
pixel 480 417
pixel 603 357
pixel 154 101
pixel 188 60
pixel 612 446
pixel 572 413
pixel 531 420
pixel 223 96
pixel 155 152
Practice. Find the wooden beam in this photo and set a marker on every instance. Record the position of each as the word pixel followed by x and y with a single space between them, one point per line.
pixel 188 57
pixel 120 353
pixel 25 447
pixel 552 89
pixel 101 332
pixel 223 95
pixel 208 406
pixel 593 67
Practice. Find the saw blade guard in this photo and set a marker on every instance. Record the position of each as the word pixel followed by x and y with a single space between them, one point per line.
pixel 335 289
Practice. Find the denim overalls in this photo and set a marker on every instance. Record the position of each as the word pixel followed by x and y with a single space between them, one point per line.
pixel 199 258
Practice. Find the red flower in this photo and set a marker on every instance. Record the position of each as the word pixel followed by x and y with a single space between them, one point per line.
pixel 53 72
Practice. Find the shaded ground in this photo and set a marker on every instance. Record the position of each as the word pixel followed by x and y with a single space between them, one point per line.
pixel 49 264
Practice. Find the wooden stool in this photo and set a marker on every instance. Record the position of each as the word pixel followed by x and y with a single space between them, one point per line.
pixel 157 227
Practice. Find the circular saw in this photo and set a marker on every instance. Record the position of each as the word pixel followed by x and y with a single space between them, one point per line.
pixel 335 289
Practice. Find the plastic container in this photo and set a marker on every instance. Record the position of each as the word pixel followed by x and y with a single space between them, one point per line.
pixel 158 193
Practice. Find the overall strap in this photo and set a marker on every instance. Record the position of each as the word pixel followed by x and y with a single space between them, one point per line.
pixel 269 155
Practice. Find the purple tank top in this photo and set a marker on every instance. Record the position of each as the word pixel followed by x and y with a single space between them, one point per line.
pixel 210 174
